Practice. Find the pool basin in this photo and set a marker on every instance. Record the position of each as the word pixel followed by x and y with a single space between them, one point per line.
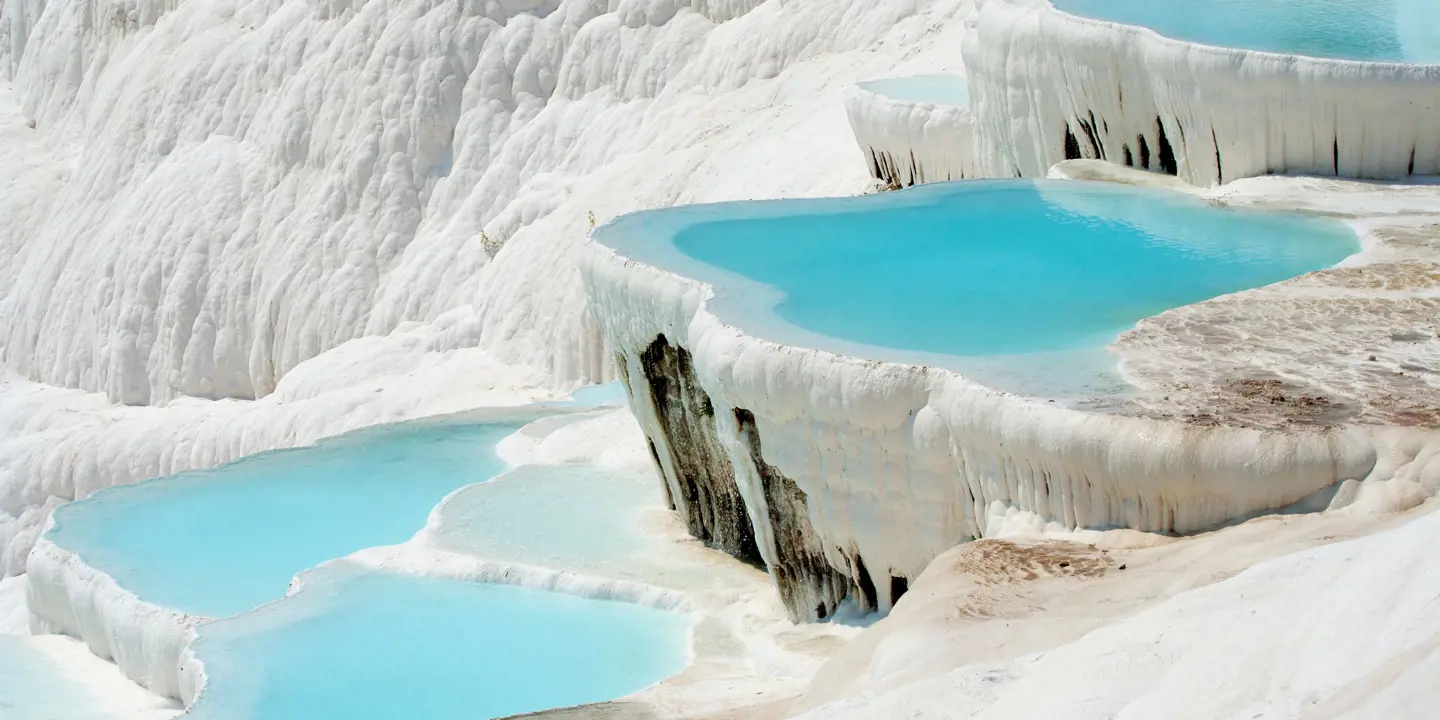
pixel 359 643
pixel 1017 284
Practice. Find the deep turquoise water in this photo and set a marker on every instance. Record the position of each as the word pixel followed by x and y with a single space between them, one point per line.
pixel 1378 30
pixel 360 645
pixel 943 89
pixel 221 541
pixel 959 274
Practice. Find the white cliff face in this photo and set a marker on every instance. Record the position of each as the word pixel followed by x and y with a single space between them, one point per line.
pixel 361 213
pixel 909 141
pixel 1047 86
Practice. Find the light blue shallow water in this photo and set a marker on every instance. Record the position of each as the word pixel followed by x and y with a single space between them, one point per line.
pixel 221 541
pixel 940 89
pixel 610 394
pixel 959 274
pixel 359 645
pixel 577 517
pixel 1377 30
pixel 33 687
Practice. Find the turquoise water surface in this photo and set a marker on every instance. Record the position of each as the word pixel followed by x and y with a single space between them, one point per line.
pixel 577 517
pixel 218 542
pixel 1377 30
pixel 611 394
pixel 34 687
pixel 940 89
pixel 359 644
pixel 960 274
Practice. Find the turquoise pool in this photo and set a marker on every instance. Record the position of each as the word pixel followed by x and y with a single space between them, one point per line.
pixel 1006 280
pixel 938 89
pixel 359 644
pixel 218 542
pixel 1406 31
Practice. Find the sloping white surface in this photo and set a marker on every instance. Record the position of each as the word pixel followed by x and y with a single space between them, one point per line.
pixel 1344 630
pixel 248 184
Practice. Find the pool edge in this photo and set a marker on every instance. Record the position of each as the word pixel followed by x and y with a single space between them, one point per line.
pixel 924 456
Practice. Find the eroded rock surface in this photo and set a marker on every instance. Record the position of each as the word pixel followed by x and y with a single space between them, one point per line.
pixel 703 488
pixel 809 586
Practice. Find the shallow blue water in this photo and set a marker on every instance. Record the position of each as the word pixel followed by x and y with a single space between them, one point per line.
pixel 942 89
pixel 610 394
pixel 34 687
pixel 977 269
pixel 1378 30
pixel 221 541
pixel 576 517
pixel 360 645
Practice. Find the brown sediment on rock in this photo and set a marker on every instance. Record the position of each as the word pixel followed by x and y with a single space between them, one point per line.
pixel 703 489
pixel 701 485
pixel 998 562
pixel 1270 401
pixel 1342 346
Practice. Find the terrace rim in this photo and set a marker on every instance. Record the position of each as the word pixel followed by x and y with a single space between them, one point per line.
pixel 1047 86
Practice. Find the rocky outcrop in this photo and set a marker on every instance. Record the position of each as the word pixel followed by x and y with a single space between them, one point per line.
pixel 804 577
pixel 701 479
pixel 702 458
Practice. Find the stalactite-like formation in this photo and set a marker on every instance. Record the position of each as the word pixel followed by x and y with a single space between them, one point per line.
pixel 708 498
pixel 1032 69
pixel 805 579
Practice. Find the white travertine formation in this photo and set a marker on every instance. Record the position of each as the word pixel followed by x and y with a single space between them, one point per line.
pixel 203 203
pixel 143 639
pixel 224 191
pixel 897 463
pixel 1343 630
pixel 907 141
pixel 1047 86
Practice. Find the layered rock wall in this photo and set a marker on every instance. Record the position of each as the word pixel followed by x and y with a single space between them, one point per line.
pixel 908 143
pixel 1046 86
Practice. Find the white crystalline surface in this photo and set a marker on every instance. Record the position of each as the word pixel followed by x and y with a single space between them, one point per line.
pixel 1345 630
pixel 938 89
pixel 248 184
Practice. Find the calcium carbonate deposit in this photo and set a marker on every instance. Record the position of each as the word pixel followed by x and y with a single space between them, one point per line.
pixel 229 227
